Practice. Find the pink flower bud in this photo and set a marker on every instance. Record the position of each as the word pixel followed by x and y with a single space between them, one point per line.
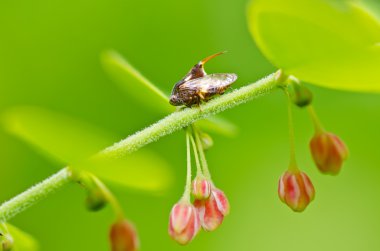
pixel 183 223
pixel 296 190
pixel 201 188
pixel 213 210
pixel 123 237
pixel 328 152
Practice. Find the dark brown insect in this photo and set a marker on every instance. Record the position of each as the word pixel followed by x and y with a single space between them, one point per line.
pixel 197 86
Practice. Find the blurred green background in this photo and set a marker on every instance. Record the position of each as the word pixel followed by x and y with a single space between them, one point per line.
pixel 49 57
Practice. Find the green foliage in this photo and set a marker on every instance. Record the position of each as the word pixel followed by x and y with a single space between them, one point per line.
pixel 143 170
pixel 62 137
pixel 73 141
pixel 219 125
pixel 49 57
pixel 134 83
pixel 328 43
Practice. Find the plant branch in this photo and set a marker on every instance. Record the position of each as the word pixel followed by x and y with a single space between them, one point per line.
pixel 165 126
pixel 34 194
pixel 185 117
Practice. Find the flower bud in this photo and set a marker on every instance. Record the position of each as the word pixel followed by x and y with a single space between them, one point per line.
pixel 6 242
pixel 183 223
pixel 201 188
pixel 328 152
pixel 299 94
pixel 213 210
pixel 123 237
pixel 296 190
pixel 206 140
pixel 95 200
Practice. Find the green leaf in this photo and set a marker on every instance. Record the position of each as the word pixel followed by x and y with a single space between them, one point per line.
pixel 22 241
pixel 137 86
pixel 218 125
pixel 140 170
pixel 73 141
pixel 64 138
pixel 373 7
pixel 134 83
pixel 329 43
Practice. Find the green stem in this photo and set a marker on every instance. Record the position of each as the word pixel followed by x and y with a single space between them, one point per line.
pixel 165 126
pixel 186 117
pixel 206 171
pixel 199 170
pixel 110 198
pixel 292 162
pixel 317 124
pixel 35 194
pixel 186 194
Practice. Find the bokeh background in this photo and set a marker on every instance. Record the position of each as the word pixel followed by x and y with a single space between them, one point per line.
pixel 50 57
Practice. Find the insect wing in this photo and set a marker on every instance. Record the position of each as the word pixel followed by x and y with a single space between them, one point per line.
pixel 219 80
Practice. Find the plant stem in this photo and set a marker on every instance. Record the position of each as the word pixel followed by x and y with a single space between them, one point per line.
pixel 186 194
pixel 293 162
pixel 199 170
pixel 165 126
pixel 205 169
pixel 110 198
pixel 185 117
pixel 317 124
pixel 35 194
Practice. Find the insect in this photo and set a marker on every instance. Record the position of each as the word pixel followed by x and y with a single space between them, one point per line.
pixel 197 86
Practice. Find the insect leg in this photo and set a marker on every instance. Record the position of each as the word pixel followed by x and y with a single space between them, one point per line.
pixel 198 102
pixel 201 95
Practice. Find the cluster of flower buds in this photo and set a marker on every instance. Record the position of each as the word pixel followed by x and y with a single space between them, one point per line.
pixel 123 236
pixel 209 207
pixel 328 150
pixel 208 210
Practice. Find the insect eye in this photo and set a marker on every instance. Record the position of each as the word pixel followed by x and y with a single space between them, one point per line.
pixel 174 100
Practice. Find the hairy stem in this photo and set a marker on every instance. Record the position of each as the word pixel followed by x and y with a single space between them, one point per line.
pixel 165 126
pixel 186 194
pixel 185 117
pixel 35 194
